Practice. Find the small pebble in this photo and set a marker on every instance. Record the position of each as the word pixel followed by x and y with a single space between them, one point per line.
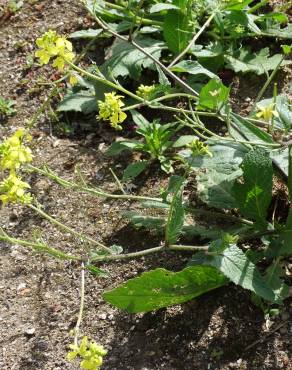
pixel 30 331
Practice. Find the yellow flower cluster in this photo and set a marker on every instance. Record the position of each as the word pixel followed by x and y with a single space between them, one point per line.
pixel 51 45
pixel 146 92
pixel 13 190
pixel 110 110
pixel 13 154
pixel 198 148
pixel 91 353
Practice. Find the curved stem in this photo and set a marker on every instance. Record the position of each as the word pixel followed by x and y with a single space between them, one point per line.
pixel 69 229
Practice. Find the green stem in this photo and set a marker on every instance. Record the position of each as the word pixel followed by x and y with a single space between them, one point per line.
pixel 257 6
pixel 121 257
pixel 142 20
pixel 266 85
pixel 89 190
pixel 177 79
pixel 161 98
pixel 105 82
pixel 69 229
pixel 81 308
pixel 120 186
pixel 40 248
pixel 42 108
pixel 194 39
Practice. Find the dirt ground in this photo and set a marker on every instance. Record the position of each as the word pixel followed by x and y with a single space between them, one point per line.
pixel 39 296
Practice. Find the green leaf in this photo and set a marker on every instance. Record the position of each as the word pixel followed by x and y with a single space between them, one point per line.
pixel 156 8
pixel 243 129
pixel 277 31
pixel 162 78
pixel 226 158
pixel 244 61
pixel 134 169
pixel 273 276
pixel 127 60
pixel 280 158
pixel 215 188
pixel 217 174
pixel 139 119
pixel 96 271
pixel 78 102
pixel 234 264
pixel 254 195
pixel 118 146
pixel 161 288
pixel 176 215
pixel 149 222
pixel 85 34
pixel 176 30
pixel 213 95
pixel 192 67
pixel 184 140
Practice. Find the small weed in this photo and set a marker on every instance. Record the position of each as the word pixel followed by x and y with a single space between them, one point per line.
pixel 7 108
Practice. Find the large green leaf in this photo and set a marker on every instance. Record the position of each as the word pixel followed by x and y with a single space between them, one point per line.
pixel 226 158
pixel 127 60
pixel 254 194
pixel 215 188
pixel 245 61
pixel 234 264
pixel 161 288
pixel 176 30
pixel 217 174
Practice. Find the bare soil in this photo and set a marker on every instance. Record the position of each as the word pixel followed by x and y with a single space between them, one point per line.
pixel 39 296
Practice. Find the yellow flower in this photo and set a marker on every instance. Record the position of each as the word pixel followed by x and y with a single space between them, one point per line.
pixel 267 112
pixel 91 354
pixel 13 190
pixel 198 148
pixel 51 45
pixel 110 110
pixel 73 79
pixel 13 152
pixel 146 92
